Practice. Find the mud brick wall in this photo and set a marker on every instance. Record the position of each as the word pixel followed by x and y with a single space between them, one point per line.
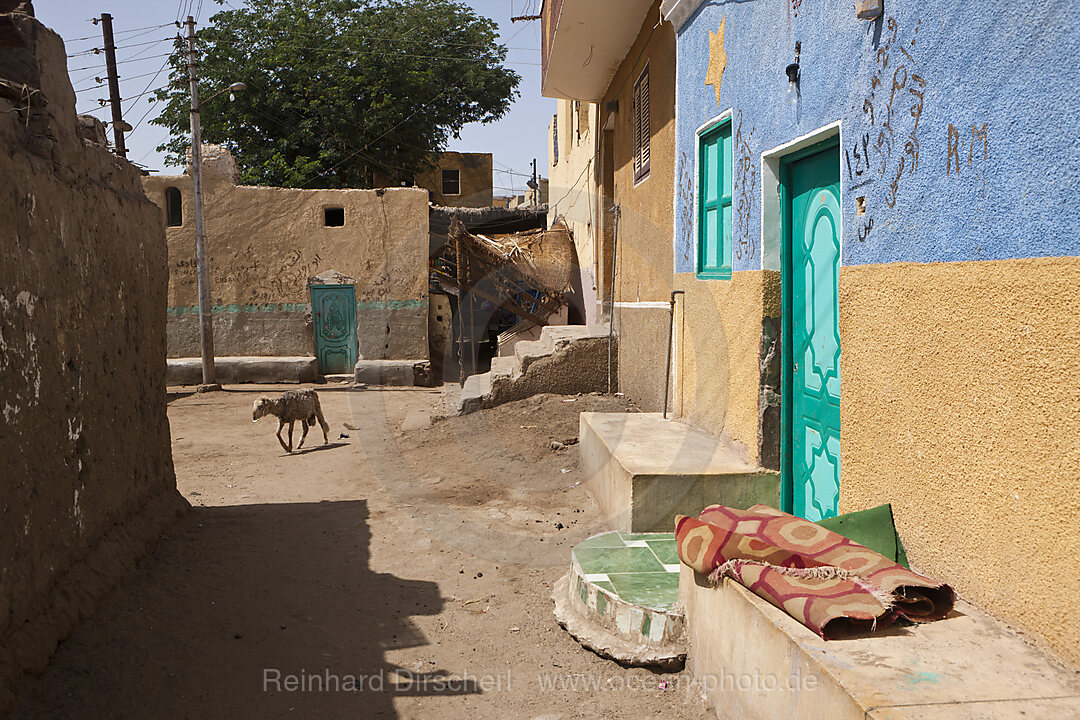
pixel 86 473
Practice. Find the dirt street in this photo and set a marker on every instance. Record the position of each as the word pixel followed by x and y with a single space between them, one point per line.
pixel 408 572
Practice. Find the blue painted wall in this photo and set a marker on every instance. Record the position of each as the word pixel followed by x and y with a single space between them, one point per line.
pixel 935 189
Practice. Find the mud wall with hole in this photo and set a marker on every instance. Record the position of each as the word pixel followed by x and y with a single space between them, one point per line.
pixel 265 243
pixel 86 473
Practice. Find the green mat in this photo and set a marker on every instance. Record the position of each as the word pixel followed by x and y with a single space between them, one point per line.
pixel 873 528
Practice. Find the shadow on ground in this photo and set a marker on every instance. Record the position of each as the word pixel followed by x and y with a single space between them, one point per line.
pixel 230 604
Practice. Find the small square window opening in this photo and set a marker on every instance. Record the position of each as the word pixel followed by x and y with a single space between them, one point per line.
pixel 333 216
pixel 451 182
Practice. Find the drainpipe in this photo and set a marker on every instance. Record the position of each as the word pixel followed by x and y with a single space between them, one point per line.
pixel 670 339
pixel 611 295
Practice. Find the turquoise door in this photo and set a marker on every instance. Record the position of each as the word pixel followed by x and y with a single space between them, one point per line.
pixel 333 311
pixel 812 242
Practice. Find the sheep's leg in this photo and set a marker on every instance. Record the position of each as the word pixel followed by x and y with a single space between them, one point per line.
pixel 281 424
pixel 291 423
pixel 303 423
pixel 324 425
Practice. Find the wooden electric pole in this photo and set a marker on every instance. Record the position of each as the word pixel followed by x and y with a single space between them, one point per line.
pixel 206 327
pixel 114 85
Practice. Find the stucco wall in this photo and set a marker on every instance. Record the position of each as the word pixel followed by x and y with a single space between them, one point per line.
pixel 717 348
pixel 643 276
pixel 572 192
pixel 86 474
pixel 475 171
pixel 960 406
pixel 265 243
pixel 958 385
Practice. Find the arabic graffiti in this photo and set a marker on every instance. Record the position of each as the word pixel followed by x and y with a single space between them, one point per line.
pixel 889 148
pixel 686 207
pixel 745 185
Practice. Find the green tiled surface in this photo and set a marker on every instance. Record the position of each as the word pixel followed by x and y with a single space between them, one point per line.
pixel 607 540
pixel 617 560
pixel 644 536
pixel 651 590
pixel 606 584
pixel 633 564
pixel 665 551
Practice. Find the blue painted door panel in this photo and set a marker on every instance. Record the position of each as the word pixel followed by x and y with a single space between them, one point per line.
pixel 814 191
pixel 333 311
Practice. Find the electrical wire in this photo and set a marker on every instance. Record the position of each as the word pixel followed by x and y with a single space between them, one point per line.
pixel 405 55
pixel 118 62
pixel 148 28
pixel 98 51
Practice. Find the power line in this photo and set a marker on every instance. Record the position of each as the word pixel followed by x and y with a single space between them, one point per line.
pixel 118 62
pixel 98 51
pixel 103 83
pixel 147 28
pixel 404 55
pixel 147 88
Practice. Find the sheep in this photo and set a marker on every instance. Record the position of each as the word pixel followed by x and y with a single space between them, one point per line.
pixel 302 405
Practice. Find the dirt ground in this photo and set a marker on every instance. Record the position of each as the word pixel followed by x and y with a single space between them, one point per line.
pixel 390 574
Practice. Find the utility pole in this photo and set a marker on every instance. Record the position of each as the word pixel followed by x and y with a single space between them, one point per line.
pixel 535 186
pixel 206 328
pixel 114 85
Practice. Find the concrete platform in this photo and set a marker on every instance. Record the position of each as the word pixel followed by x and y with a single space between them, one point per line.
pixel 244 369
pixel 643 471
pixel 406 373
pixel 752 661
pixel 619 599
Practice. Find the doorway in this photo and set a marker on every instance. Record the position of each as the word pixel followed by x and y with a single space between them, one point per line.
pixel 810 270
pixel 333 313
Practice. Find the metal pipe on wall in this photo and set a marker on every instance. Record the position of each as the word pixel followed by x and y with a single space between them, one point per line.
pixel 670 339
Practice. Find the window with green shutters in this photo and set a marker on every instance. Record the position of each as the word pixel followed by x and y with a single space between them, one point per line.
pixel 714 202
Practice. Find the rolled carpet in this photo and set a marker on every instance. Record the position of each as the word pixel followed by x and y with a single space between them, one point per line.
pixel 832 585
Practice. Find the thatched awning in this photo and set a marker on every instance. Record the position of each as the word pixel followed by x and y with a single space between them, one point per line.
pixel 543 258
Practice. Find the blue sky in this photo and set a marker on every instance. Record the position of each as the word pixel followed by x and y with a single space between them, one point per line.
pixel 515 140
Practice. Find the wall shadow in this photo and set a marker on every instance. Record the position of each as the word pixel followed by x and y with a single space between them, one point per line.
pixel 228 605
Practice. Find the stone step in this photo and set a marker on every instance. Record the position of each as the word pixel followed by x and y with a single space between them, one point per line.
pixel 643 471
pixel 244 369
pixel 753 661
pixel 393 372
pixel 566 358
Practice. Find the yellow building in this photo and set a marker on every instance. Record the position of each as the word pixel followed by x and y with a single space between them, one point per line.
pixel 951 285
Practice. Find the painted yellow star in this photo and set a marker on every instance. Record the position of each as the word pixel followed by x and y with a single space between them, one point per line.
pixel 717 59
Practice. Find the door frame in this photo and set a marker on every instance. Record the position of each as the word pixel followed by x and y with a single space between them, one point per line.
pixel 787 480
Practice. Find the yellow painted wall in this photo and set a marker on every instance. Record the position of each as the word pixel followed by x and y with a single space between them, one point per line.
pixel 960 405
pixel 644 253
pixel 572 189
pixel 718 345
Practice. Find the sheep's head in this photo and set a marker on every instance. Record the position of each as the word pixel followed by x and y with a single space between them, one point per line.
pixel 261 408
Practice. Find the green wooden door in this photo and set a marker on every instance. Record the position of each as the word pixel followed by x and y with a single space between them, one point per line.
pixel 813 240
pixel 333 311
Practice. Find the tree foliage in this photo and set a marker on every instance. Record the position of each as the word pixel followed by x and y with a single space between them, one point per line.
pixel 340 93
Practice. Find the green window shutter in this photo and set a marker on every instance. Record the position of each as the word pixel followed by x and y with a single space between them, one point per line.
pixel 714 203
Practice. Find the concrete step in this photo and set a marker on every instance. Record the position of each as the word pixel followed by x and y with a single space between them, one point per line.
pixel 753 661
pixel 643 470
pixel 473 392
pixel 566 359
pixel 393 372
pixel 244 369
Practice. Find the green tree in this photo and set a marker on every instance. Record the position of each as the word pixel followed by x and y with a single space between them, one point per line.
pixel 340 93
